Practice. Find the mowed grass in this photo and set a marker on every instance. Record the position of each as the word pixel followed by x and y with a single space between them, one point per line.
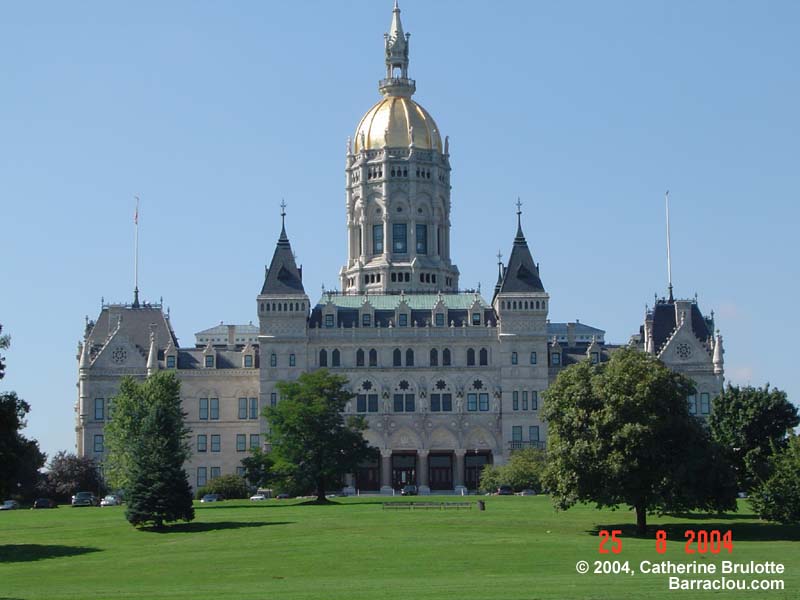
pixel 519 548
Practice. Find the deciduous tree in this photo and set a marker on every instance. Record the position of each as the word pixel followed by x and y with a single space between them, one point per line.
pixel 778 497
pixel 621 433
pixel 312 442
pixel 68 474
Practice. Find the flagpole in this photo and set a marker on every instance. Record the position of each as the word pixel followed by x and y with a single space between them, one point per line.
pixel 136 255
pixel 669 253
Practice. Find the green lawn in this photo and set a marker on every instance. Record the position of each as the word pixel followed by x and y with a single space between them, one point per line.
pixel 519 548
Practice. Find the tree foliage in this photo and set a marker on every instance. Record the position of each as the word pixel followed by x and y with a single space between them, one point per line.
pixel 524 471
pixel 621 433
pixel 778 497
pixel 20 458
pixel 230 486
pixel 5 342
pixel 149 445
pixel 749 423
pixel 259 468
pixel 312 443
pixel 68 474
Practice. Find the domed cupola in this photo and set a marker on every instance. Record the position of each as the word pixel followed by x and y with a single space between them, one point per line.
pixel 398 189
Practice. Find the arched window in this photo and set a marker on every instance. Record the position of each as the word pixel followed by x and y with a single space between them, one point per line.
pixel 262 307
pixel 446 357
pixel 434 357
pixel 336 358
pixel 470 357
pixel 537 305
pixel 526 305
pixel 397 357
pixel 359 358
pixel 484 357
pixel 409 358
pixel 323 358
pixel 373 358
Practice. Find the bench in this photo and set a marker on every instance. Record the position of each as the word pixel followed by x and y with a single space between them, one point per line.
pixel 426 505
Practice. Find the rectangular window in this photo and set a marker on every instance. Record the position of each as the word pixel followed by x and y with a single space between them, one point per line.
pixel 705 405
pixel 515 400
pixel 483 402
pixel 533 433
pixel 253 408
pixel 422 239
pixel 241 442
pixel 171 361
pixel 514 358
pixel 439 319
pixel 476 318
pixel 595 358
pixel 400 238
pixel 201 476
pixel 203 409
pixel 692 404
pixel 242 408
pixel 366 320
pixel 202 442
pixel 110 409
pixel 402 320
pixel 555 359
pixel 524 400
pixel 534 400
pixel 398 403
pixel 292 360
pixel 328 320
pixel 361 403
pixel 472 401
pixel 273 399
pixel 377 239
pixel 209 361
pixel 409 402
pixel 248 361
pixel 255 441
pixel 372 403
pixel 533 358
pixel 215 472
pixel 215 443
pixel 273 360
pixel 99 409
pixel 241 471
pixel 516 433
pixel 436 403
pixel 447 402
pixel 98 443
pixel 214 404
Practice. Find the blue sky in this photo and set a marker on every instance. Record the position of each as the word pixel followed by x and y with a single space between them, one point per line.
pixel 212 112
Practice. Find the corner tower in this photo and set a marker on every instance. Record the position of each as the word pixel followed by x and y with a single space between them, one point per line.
pixel 398 189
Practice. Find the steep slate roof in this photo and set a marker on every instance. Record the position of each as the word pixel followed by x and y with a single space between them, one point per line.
pixel 135 324
pixel 664 323
pixel 521 274
pixel 283 276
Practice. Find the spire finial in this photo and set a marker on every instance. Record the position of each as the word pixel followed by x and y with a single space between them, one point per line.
pixel 136 255
pixel 520 237
pixel 396 41
pixel 499 257
pixel 284 239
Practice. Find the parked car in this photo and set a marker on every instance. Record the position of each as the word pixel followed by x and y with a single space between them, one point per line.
pixel 258 497
pixel 527 493
pixel 211 498
pixel 409 490
pixel 505 490
pixel 111 500
pixel 283 496
pixel 45 503
pixel 85 499
pixel 9 505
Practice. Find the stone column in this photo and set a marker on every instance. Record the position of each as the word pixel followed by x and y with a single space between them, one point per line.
pixel 459 482
pixel 386 471
pixel 422 472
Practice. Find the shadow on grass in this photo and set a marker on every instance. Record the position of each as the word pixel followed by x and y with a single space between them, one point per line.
pixel 742 532
pixel 31 552
pixel 201 527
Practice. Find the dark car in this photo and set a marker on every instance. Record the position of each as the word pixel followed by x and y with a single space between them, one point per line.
pixel 85 499
pixel 505 490
pixel 44 503
pixel 211 498
pixel 283 497
pixel 409 490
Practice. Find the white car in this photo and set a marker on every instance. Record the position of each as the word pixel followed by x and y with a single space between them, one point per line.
pixel 111 500
pixel 9 505
pixel 258 497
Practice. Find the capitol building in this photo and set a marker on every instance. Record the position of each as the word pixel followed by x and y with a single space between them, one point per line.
pixel 447 379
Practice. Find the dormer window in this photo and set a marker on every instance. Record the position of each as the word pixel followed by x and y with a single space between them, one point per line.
pixel 209 361
pixel 476 318
pixel 329 321
pixel 402 320
pixel 248 361
pixel 439 319
pixel 555 358
pixel 366 320
pixel 171 361
pixel 595 358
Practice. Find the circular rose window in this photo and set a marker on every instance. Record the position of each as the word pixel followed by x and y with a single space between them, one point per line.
pixel 119 355
pixel 683 351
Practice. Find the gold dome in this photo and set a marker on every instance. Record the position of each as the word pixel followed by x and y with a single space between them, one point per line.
pixel 390 121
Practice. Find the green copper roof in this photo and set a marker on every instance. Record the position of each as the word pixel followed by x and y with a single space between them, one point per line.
pixel 462 301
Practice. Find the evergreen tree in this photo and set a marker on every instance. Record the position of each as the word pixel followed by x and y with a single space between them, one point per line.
pixel 158 488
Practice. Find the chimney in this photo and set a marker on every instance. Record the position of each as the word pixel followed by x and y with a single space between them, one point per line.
pixel 231 337
pixel 570 334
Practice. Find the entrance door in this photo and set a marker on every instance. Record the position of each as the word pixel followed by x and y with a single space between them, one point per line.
pixel 368 477
pixel 441 471
pixel 404 470
pixel 473 463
